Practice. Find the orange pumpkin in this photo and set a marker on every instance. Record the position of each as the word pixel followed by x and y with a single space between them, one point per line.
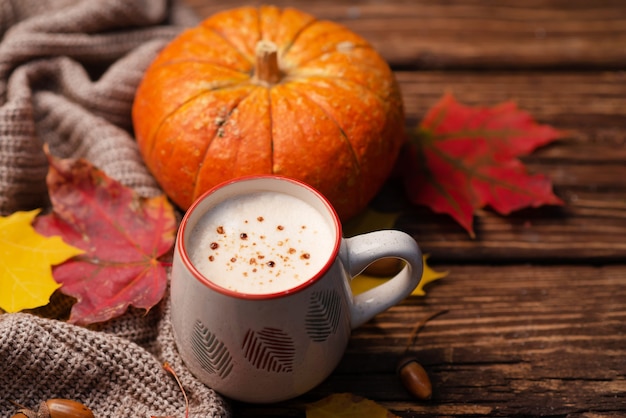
pixel 268 90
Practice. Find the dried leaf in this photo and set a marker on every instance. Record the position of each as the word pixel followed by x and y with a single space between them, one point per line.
pixel 25 266
pixel 346 405
pixel 370 220
pixel 123 236
pixel 463 158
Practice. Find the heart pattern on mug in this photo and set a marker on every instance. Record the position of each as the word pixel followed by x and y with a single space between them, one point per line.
pixel 210 352
pixel 270 349
pixel 322 318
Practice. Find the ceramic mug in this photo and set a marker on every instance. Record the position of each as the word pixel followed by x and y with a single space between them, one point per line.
pixel 258 344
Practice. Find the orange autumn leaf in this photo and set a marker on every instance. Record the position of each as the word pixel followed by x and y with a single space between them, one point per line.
pixel 346 405
pixel 123 236
pixel 463 158
pixel 26 280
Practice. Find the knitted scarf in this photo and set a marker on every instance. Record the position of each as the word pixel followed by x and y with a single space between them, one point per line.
pixel 68 74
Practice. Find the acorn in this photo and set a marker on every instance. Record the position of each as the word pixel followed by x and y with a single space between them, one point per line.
pixel 414 378
pixel 56 408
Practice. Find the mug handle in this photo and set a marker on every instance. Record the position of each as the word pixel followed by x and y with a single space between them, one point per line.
pixel 362 250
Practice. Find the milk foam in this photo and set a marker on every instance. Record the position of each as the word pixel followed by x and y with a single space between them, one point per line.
pixel 261 243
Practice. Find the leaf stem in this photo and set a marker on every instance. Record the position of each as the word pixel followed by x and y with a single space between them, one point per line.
pixel 169 369
pixel 418 327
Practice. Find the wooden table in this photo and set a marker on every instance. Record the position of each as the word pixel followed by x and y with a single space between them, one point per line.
pixel 536 321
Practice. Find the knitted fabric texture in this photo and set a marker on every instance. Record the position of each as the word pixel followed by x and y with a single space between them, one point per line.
pixel 68 74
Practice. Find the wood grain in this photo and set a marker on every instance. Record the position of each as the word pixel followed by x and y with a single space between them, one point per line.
pixel 587 168
pixel 536 304
pixel 474 34
pixel 512 343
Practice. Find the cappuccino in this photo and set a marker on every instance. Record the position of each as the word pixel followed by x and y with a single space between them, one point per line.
pixel 261 243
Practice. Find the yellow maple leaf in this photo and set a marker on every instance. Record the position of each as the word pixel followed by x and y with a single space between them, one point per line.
pixel 365 282
pixel 346 405
pixel 371 220
pixel 429 275
pixel 26 260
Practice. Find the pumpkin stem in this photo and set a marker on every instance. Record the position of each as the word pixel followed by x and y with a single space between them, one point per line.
pixel 267 71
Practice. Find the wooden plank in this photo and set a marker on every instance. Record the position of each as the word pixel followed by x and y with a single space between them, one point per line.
pixel 561 98
pixel 429 34
pixel 536 321
pixel 516 341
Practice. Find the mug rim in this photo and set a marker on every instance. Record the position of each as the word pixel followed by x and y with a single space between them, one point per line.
pixel 186 260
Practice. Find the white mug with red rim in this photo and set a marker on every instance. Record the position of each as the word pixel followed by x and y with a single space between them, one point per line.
pixel 262 347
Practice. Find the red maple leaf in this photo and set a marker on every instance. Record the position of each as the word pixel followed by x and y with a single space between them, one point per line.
pixel 463 158
pixel 123 236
